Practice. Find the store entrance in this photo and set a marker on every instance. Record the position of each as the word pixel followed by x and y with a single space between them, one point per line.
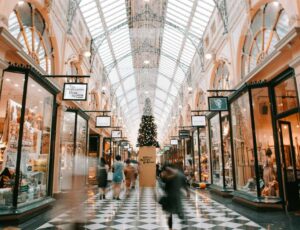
pixel 289 136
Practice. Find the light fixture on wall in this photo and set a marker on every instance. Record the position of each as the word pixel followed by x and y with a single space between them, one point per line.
pixel 86 53
pixel 20 3
pixel 208 56
pixel 146 62
pixel 180 106
pixel 190 89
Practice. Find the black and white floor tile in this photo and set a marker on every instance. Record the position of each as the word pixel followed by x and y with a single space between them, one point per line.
pixel 141 211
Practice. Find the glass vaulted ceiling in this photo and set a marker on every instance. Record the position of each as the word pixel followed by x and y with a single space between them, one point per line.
pixel 179 26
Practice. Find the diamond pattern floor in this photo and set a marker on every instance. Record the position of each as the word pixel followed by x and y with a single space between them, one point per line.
pixel 141 211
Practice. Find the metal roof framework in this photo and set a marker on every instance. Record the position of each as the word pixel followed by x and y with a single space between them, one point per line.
pixel 184 22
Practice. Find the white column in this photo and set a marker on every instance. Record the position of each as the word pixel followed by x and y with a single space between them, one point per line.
pixel 295 64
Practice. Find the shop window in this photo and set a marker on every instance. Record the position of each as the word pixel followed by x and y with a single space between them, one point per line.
pixel 242 140
pixel 35 152
pixel 226 141
pixel 221 78
pixel 67 150
pixel 35 143
pixel 27 25
pixel 266 157
pixel 268 26
pixel 73 150
pixel 286 95
pixel 216 151
pixel 10 116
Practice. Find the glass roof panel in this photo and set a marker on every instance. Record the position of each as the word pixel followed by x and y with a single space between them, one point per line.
pixel 186 20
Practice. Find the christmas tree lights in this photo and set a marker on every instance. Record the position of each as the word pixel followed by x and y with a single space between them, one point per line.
pixel 148 130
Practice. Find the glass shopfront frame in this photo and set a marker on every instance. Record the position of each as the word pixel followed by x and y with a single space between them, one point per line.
pixel 221 159
pixel 260 175
pixel 30 142
pixel 73 157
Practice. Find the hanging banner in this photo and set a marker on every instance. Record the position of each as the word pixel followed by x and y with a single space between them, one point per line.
pixel 184 134
pixel 174 142
pixel 103 121
pixel 199 121
pixel 75 91
pixel 116 134
pixel 218 103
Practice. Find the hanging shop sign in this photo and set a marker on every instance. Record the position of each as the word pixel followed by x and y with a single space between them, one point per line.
pixel 218 103
pixel 184 134
pixel 124 143
pixel 116 134
pixel 75 91
pixel 103 121
pixel 198 121
pixel 174 142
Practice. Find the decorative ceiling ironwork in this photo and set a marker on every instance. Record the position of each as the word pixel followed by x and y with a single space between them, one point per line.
pixel 147 47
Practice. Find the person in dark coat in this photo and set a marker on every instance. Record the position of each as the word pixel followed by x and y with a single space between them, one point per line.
pixel 102 177
pixel 173 181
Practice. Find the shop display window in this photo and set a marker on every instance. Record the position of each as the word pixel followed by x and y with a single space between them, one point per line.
pixel 267 169
pixel 10 115
pixel 67 150
pixel 26 113
pixel 204 159
pixel 226 142
pixel 73 161
pixel 196 156
pixel 36 141
pixel 243 145
pixel 216 151
pixel 81 147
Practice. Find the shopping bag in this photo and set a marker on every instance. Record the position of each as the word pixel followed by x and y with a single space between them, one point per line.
pixel 109 176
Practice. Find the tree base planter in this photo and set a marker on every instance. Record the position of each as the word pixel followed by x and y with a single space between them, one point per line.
pixel 147 166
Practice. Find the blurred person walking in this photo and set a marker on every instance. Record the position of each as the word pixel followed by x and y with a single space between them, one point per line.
pixel 117 177
pixel 173 181
pixel 102 177
pixel 129 172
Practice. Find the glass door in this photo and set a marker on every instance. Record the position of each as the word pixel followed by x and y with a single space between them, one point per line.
pixel 288 159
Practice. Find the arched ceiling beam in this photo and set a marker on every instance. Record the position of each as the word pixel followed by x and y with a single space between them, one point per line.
pixel 150 49
pixel 222 8
pixel 148 15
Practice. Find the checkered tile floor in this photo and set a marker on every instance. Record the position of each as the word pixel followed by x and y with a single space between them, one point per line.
pixel 141 211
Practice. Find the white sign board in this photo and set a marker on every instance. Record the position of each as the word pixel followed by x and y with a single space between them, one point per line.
pixel 103 121
pixel 116 134
pixel 174 142
pixel 75 91
pixel 199 121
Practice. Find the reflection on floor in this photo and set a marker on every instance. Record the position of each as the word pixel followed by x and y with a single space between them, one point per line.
pixel 141 211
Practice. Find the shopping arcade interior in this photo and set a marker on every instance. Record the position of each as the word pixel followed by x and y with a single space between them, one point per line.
pixel 249 158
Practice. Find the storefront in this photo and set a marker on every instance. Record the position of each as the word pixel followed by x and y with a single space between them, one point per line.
pixel 204 169
pixel 220 152
pixel 107 150
pixel 27 120
pixel 93 158
pixel 73 148
pixel 266 162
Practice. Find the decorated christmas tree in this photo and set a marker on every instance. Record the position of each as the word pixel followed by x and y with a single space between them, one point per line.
pixel 148 131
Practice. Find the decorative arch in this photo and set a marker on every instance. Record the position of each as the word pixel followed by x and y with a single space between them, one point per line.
pixel 29 27
pixel 221 77
pixel 269 25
